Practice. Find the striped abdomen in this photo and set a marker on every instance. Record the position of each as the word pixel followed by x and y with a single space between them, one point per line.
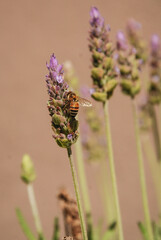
pixel 74 107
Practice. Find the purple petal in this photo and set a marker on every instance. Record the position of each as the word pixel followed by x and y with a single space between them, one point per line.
pixel 121 41
pixel 85 92
pixel 54 75
pixel 91 90
pixel 94 13
pixel 59 68
pixel 59 79
pixel 70 136
pixel 155 43
pixel 108 28
pixel 133 26
pixel 117 70
pixel 47 65
pixel 155 79
pixel 53 62
pixel 96 18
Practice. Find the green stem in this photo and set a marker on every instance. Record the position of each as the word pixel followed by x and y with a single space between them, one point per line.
pixel 159 121
pixel 155 129
pixel 155 167
pixel 107 194
pixel 142 175
pixel 83 181
pixel 112 170
pixel 34 208
pixel 75 182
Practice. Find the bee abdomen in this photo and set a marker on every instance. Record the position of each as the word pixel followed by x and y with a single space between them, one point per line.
pixel 74 107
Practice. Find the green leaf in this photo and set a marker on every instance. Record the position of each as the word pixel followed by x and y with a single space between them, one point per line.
pixel 109 232
pixel 156 231
pixel 56 229
pixel 40 237
pixel 90 231
pixel 143 230
pixel 24 225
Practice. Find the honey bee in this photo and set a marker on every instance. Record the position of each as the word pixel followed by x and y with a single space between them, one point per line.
pixel 73 101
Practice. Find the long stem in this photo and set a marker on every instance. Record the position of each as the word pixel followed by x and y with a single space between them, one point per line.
pixel 142 175
pixel 112 170
pixel 155 167
pixel 107 193
pixel 83 181
pixel 75 182
pixel 34 208
pixel 155 129
pixel 159 121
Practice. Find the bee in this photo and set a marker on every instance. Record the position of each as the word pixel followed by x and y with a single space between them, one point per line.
pixel 73 101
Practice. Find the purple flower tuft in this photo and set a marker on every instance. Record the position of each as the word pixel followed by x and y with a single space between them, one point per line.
pixel 155 43
pixel 59 79
pixel 60 68
pixel 121 41
pixel 133 26
pixel 91 90
pixel 53 62
pixel 155 79
pixel 96 18
pixel 94 13
pixel 108 28
pixel 117 70
pixel 70 136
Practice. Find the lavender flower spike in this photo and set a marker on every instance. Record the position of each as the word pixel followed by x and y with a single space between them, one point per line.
pixel 103 71
pixel 135 37
pixel 155 71
pixel 63 126
pixel 129 66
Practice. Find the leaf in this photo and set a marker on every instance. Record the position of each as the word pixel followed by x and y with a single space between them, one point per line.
pixel 56 229
pixel 156 231
pixel 109 232
pixel 40 237
pixel 143 230
pixel 24 225
pixel 90 231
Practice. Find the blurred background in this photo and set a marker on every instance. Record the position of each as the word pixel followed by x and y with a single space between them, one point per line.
pixel 30 32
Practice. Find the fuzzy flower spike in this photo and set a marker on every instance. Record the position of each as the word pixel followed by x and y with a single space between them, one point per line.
pixel 155 70
pixel 134 33
pixel 129 66
pixel 103 70
pixel 63 125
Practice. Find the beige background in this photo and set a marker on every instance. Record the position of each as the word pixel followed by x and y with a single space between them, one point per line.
pixel 30 32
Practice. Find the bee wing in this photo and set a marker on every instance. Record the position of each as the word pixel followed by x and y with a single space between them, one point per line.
pixel 84 102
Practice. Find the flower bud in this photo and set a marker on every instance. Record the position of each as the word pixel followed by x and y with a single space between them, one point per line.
pixel 99 96
pixel 28 174
pixel 97 56
pixel 136 88
pixel 110 85
pixel 58 119
pixel 108 63
pixel 97 73
pixel 108 47
pixel 126 86
pixel 125 70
